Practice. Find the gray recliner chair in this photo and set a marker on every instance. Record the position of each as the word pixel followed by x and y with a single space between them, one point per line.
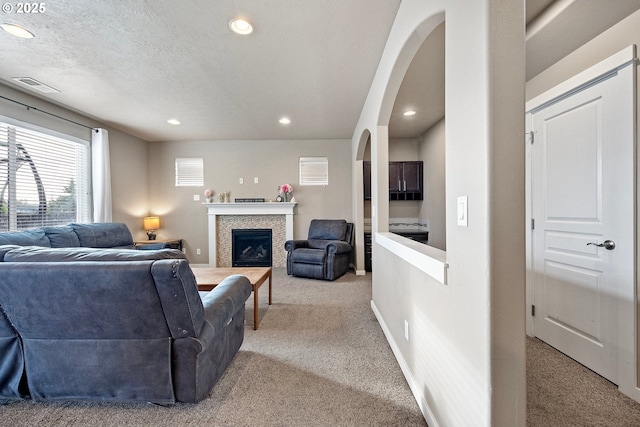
pixel 326 254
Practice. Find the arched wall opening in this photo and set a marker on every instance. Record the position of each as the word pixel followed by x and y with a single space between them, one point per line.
pixel 398 138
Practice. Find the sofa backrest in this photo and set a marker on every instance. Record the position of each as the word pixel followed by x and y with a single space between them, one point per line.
pixel 61 236
pixel 96 235
pixel 35 237
pixel 103 235
pixel 103 320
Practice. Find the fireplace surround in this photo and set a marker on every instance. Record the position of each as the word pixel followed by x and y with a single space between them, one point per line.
pixel 223 217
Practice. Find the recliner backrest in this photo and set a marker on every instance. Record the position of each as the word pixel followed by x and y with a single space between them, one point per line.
pixel 328 229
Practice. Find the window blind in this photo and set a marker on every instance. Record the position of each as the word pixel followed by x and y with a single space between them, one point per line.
pixel 44 178
pixel 314 171
pixel 189 172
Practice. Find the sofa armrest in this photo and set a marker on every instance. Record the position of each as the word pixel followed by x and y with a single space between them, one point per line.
pixel 291 245
pixel 223 301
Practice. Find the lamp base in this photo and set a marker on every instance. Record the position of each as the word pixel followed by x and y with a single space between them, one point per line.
pixel 151 234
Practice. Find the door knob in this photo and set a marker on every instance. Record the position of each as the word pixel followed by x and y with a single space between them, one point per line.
pixel 607 244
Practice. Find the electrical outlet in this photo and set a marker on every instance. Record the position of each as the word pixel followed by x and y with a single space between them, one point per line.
pixel 255 179
pixel 198 251
pixel 241 180
pixel 196 197
pixel 406 330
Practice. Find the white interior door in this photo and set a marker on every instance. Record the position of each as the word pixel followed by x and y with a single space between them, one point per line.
pixel 582 162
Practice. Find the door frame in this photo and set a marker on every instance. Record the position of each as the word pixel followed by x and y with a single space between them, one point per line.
pixel 624 63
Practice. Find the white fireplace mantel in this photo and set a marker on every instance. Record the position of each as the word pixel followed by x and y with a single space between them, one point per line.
pixel 259 208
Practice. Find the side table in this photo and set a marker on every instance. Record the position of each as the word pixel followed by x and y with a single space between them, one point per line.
pixel 173 243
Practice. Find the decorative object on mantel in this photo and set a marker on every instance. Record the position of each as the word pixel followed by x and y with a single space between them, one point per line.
pixel 285 191
pixel 249 200
pixel 209 195
pixel 224 197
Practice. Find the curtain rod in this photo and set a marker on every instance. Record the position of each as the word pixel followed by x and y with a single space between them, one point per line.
pixel 29 107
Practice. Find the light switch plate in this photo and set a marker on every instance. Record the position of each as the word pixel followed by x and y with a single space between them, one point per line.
pixel 463 211
pixel 196 197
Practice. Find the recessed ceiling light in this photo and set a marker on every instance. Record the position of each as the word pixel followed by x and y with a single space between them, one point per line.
pixel 240 26
pixel 285 120
pixel 409 113
pixel 17 31
pixel 173 121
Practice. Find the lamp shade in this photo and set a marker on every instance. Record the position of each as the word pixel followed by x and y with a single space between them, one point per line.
pixel 151 223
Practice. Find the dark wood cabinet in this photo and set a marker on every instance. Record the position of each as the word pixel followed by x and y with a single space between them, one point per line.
pixel 367 251
pixel 405 180
pixel 367 180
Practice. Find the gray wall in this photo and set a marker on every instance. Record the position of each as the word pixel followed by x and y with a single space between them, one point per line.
pixel 273 162
pixel 433 208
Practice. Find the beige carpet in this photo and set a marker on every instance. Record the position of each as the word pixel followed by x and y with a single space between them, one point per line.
pixel 561 392
pixel 319 358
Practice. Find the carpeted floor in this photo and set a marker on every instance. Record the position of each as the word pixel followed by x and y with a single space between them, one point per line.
pixel 321 359
pixel 561 392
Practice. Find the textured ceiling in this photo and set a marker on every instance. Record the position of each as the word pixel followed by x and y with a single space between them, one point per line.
pixel 134 64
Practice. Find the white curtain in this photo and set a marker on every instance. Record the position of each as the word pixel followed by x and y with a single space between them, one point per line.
pixel 101 175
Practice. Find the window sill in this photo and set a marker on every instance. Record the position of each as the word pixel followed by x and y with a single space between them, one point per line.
pixel 430 260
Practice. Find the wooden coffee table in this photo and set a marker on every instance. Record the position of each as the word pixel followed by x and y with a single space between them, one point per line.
pixel 209 278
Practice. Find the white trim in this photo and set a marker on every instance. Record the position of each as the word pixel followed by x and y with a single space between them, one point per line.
pixel 431 260
pixel 404 366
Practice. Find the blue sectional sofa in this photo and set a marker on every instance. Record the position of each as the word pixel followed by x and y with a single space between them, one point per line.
pixel 113 325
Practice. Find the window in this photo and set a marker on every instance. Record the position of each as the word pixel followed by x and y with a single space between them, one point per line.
pixel 45 177
pixel 314 171
pixel 189 172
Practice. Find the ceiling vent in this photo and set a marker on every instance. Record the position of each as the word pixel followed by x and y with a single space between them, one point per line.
pixel 34 84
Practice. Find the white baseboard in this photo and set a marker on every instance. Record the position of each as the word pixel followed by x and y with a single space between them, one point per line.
pixel 413 385
pixel 361 273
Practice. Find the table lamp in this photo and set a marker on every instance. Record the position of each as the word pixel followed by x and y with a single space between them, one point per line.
pixel 151 224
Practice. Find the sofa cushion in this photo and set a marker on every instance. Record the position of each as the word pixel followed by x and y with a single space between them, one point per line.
pixel 38 254
pixel 327 229
pixel 25 238
pixel 103 235
pixel 62 236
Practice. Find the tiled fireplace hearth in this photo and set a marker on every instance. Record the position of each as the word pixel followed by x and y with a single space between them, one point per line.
pixel 224 217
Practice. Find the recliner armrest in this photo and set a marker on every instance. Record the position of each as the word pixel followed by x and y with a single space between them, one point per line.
pixel 338 247
pixel 331 246
pixel 223 301
pixel 291 245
